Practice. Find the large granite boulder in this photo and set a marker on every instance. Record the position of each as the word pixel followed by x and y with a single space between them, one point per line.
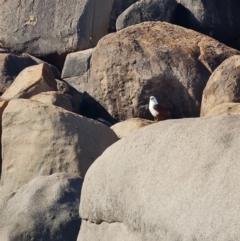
pixel 153 58
pixel 10 66
pixel 39 139
pixel 223 86
pixel 218 19
pixel 45 209
pixel 173 180
pixel 53 29
pixel 31 81
pixel 147 10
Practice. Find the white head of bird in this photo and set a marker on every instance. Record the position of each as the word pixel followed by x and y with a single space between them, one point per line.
pixel 153 102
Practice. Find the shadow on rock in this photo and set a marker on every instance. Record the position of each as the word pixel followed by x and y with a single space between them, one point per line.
pixel 94 110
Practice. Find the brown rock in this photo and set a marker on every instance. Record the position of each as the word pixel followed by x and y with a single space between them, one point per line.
pixel 225 109
pixel 223 86
pixel 54 98
pixel 39 139
pixel 31 81
pixel 153 58
pixel 126 127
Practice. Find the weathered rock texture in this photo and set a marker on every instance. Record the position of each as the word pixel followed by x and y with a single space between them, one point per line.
pixel 126 127
pixel 225 109
pixel 214 18
pixel 54 98
pixel 174 180
pixel 118 7
pixel 153 58
pixel 31 81
pixel 94 110
pixel 77 64
pixel 44 209
pixel 47 139
pixel 75 96
pixel 53 28
pixel 223 86
pixel 54 70
pixel 147 10
pixel 10 66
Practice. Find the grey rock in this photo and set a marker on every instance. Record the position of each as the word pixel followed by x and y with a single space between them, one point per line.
pixel 40 139
pixel 218 19
pixel 53 29
pixel 45 209
pixel 78 82
pixel 77 64
pixel 173 180
pixel 147 10
pixel 118 7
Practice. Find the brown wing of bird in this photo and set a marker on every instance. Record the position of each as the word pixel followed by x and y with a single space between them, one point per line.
pixel 163 114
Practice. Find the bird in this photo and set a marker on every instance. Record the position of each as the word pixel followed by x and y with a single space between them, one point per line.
pixel 159 113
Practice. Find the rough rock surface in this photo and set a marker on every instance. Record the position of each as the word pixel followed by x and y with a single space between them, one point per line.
pixel 54 98
pixel 54 70
pixel 147 10
pixel 47 139
pixel 173 180
pixel 77 64
pixel 78 82
pixel 44 209
pixel 10 66
pixel 225 109
pixel 215 18
pixel 94 110
pixel 153 58
pixel 124 128
pixel 31 81
pixel 75 96
pixel 54 28
pixel 223 86
pixel 118 7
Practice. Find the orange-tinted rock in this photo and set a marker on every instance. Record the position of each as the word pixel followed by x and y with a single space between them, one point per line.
pixel 153 58
pixel 223 86
pixel 31 81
